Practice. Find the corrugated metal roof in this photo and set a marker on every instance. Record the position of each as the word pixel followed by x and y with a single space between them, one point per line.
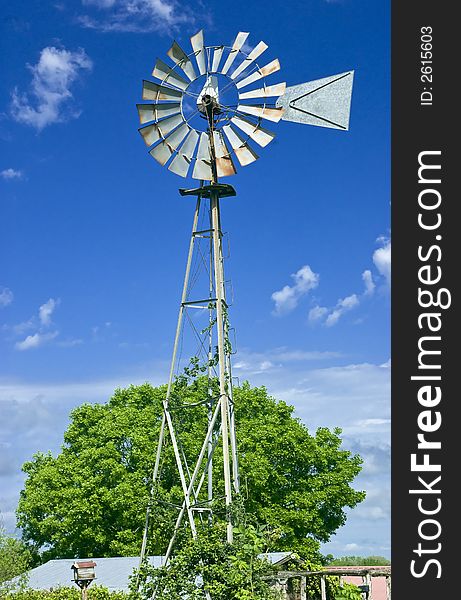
pixel 112 573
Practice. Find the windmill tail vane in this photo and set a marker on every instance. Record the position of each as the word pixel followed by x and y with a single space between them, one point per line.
pixel 204 114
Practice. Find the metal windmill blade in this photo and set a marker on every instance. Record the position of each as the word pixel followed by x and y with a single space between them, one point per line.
pixel 168 131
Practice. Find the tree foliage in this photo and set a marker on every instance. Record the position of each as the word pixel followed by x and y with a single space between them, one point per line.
pixel 359 561
pixel 67 593
pixel 14 561
pixel 207 564
pixel 90 500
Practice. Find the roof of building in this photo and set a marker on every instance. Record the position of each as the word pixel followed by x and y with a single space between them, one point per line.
pixel 112 573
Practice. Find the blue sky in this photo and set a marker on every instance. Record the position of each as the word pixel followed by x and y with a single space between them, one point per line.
pixel 94 234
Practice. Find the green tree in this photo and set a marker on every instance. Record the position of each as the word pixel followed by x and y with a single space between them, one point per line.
pixel 90 500
pixel 14 561
pixel 207 564
pixel 359 561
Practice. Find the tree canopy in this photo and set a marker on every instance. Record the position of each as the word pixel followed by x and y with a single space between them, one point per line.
pixel 358 561
pixel 91 499
pixel 15 559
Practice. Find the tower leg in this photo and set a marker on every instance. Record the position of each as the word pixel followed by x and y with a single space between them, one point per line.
pixel 224 383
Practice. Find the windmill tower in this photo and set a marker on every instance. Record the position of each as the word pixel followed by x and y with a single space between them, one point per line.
pixel 200 119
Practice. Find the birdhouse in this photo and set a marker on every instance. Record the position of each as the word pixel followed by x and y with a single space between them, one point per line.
pixel 84 572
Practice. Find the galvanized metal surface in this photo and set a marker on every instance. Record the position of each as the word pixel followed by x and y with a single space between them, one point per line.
pixel 157 131
pixel 261 110
pixel 168 96
pixel 181 162
pixel 217 55
pixel 238 43
pixel 257 133
pixel 224 163
pixel 266 92
pixel 199 49
pixel 112 573
pixel 154 112
pixel 154 91
pixel 247 61
pixel 202 165
pixel 244 153
pixel 177 55
pixel 323 102
pixel 168 74
pixel 270 68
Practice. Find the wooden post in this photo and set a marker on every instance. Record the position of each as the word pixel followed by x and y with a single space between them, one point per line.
pixel 302 588
pixel 323 587
pixel 368 579
pixel 388 587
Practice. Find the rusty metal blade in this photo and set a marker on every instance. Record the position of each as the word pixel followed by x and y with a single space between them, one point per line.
pixel 257 133
pixel 169 124
pixel 177 55
pixel 257 51
pixel 161 152
pixel 224 163
pixel 238 43
pixel 199 48
pixel 154 91
pixel 219 144
pixel 181 162
pixel 175 138
pixel 154 112
pixel 257 110
pixel 203 151
pixel 244 153
pixel 265 92
pixel 157 131
pixel 202 170
pixel 217 55
pixel 187 149
pixel 265 71
pixel 150 134
pixel 225 166
pixel 180 165
pixel 167 74
pixel 324 102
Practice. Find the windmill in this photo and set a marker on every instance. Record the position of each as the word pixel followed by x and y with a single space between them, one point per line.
pixel 205 115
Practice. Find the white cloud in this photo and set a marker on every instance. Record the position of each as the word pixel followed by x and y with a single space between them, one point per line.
pixel 6 296
pixel 254 363
pixel 10 174
pixel 370 285
pixel 317 313
pixel 343 306
pixel 41 336
pixel 136 15
pixel 35 340
pixel 382 260
pixel 52 78
pixel 288 297
pixel 330 316
pixel 46 310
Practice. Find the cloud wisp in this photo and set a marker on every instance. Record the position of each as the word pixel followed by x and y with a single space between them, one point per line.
pixel 382 261
pixel 6 296
pixel 43 334
pixel 11 174
pixel 288 297
pixel 135 16
pixel 50 98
